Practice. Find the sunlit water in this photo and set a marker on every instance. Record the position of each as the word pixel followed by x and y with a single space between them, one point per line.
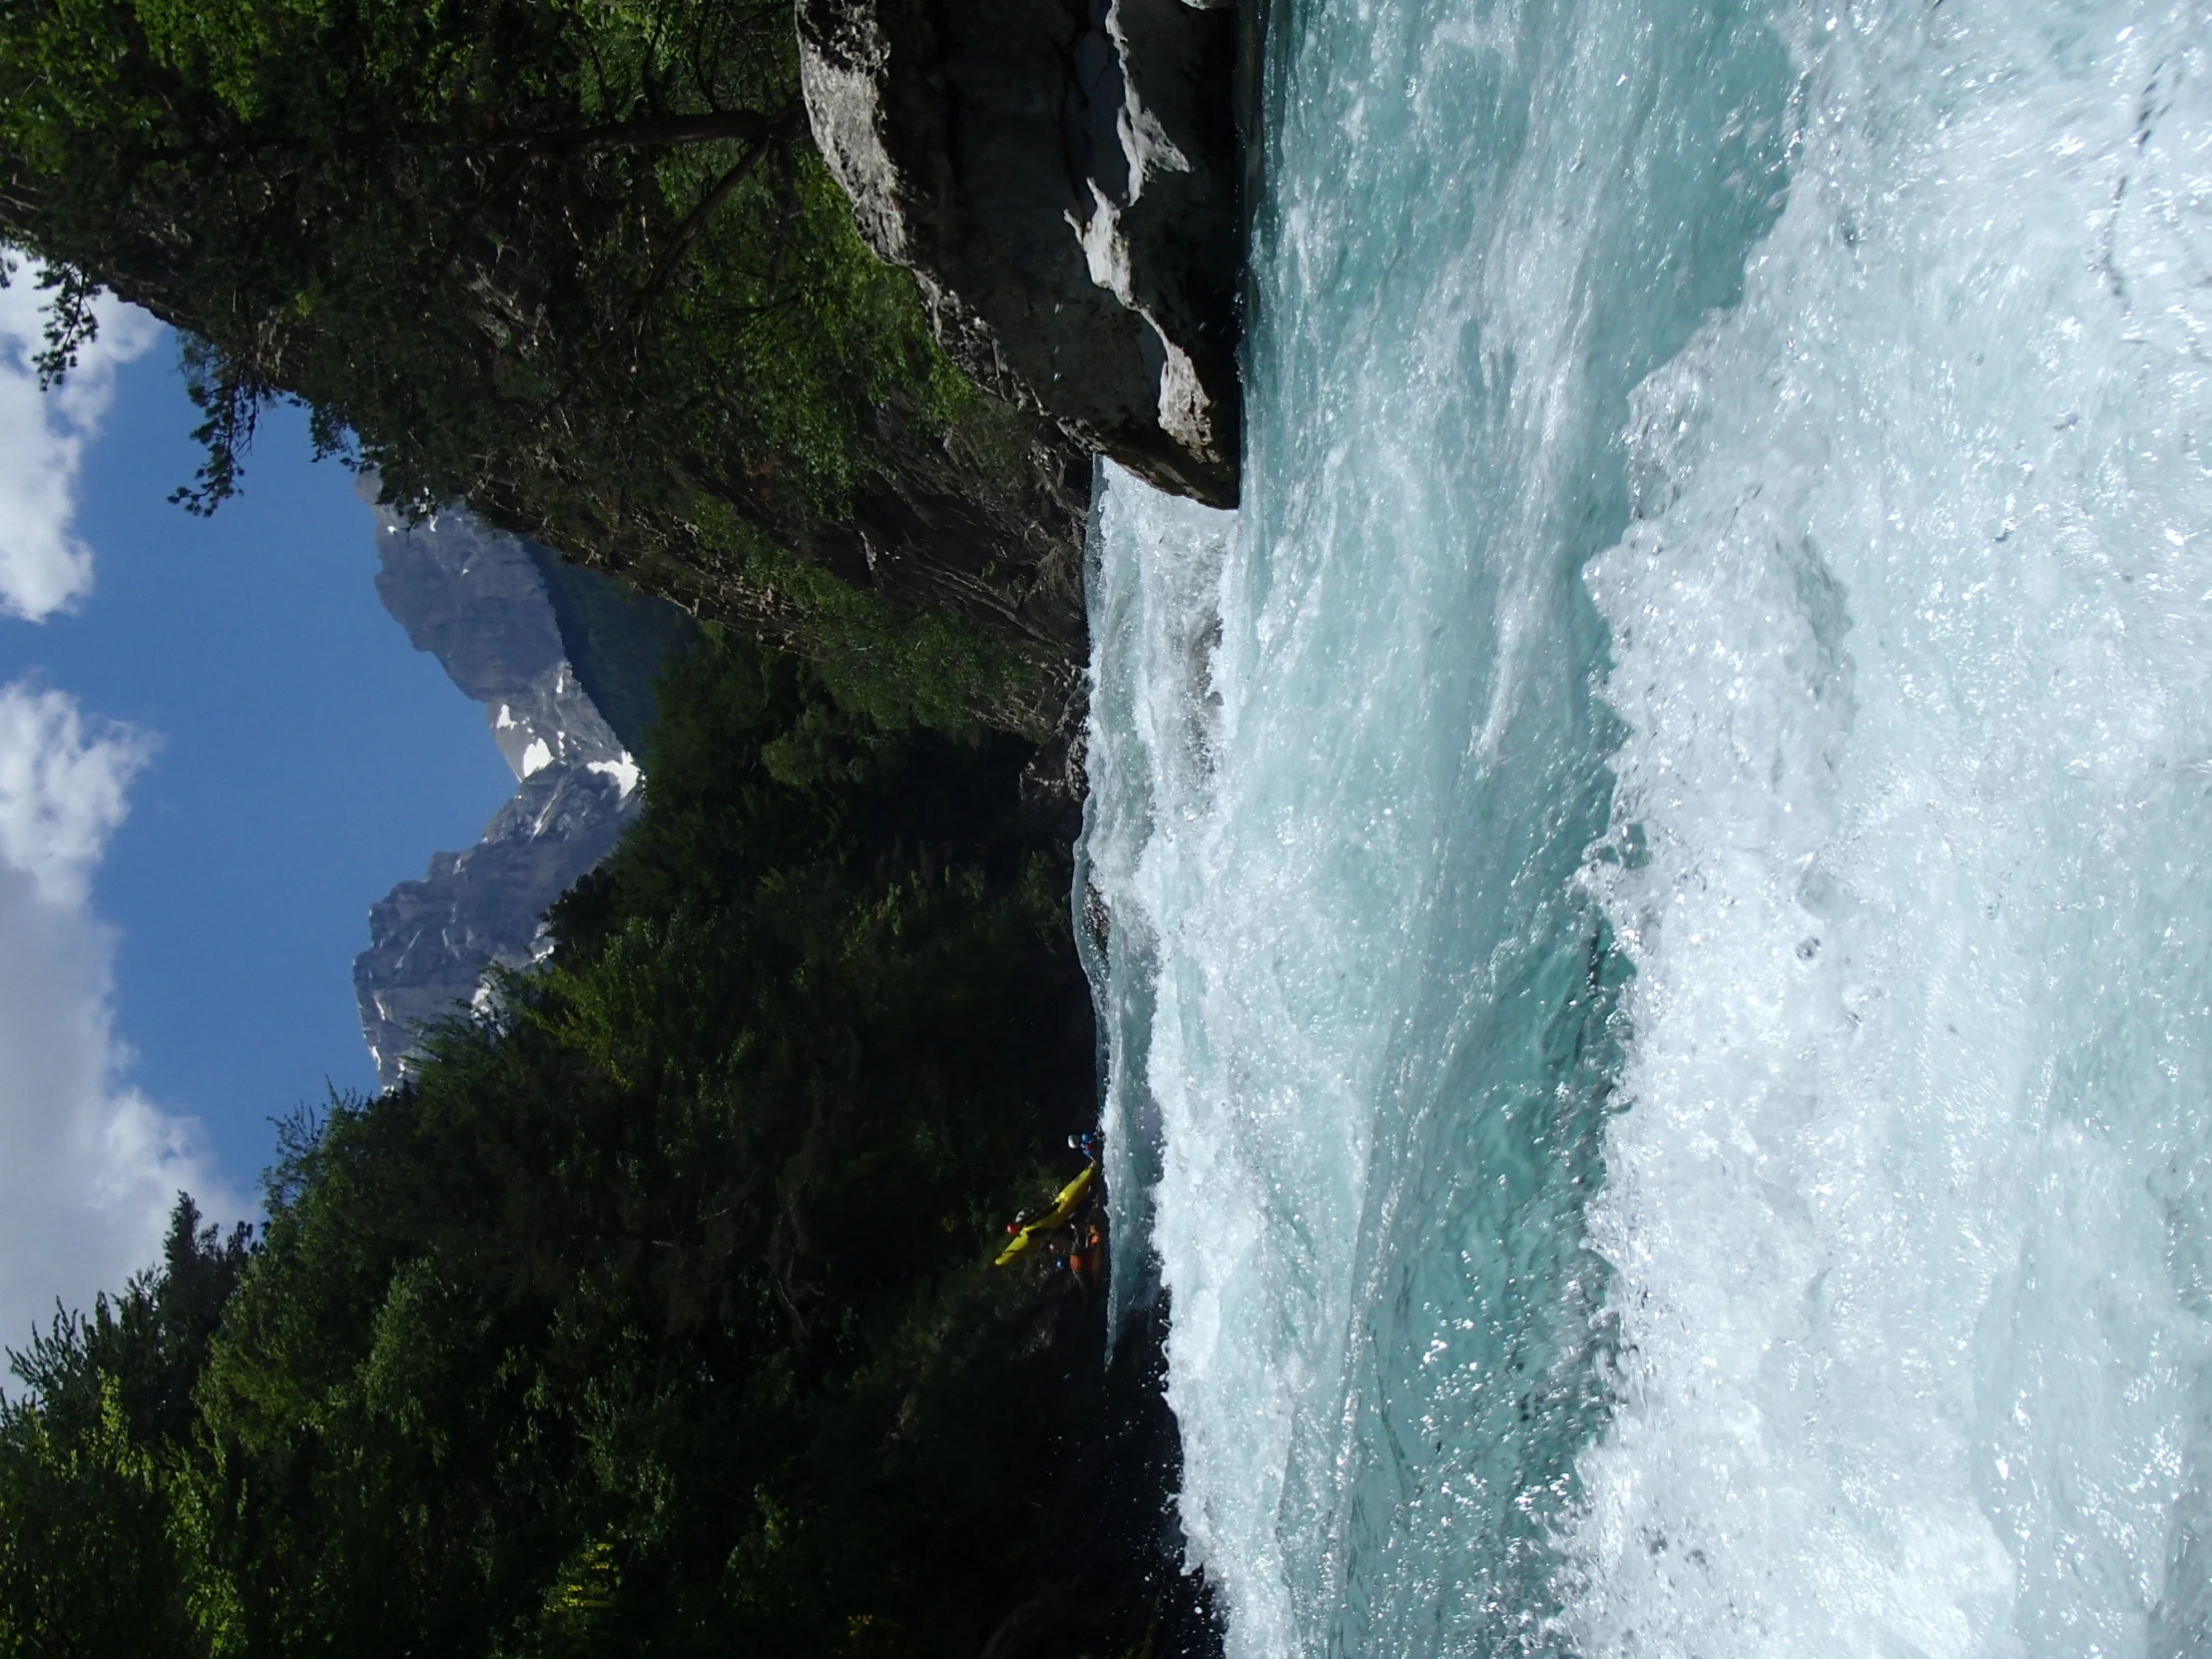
pixel 1657 932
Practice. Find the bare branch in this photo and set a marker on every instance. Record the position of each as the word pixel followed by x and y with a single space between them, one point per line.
pixel 705 128
pixel 688 232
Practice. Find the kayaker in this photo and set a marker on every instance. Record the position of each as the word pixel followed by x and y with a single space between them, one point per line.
pixel 1064 1208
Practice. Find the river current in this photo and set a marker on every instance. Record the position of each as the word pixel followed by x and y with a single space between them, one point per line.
pixel 1650 889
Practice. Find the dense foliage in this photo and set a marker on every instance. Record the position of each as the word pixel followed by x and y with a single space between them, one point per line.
pixel 655 1314
pixel 573 261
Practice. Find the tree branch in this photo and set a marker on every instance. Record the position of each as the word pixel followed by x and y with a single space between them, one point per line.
pixel 688 232
pixel 707 126
pixel 777 137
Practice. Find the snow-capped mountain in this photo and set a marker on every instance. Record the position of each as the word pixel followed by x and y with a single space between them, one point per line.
pixel 480 602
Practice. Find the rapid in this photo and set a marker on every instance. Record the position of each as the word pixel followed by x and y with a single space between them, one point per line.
pixel 1650 893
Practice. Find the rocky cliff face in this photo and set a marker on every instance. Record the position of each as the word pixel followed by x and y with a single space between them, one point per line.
pixel 1062 176
pixel 477 600
pixel 987 520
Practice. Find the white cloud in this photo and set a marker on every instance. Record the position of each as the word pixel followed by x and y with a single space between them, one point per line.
pixel 61 786
pixel 44 566
pixel 89 1167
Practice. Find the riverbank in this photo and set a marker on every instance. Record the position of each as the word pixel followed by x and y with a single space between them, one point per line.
pixel 654 1310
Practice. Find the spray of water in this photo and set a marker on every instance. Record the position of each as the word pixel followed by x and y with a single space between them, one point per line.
pixel 1912 639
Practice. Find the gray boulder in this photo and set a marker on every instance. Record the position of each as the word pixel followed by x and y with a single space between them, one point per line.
pixel 1063 178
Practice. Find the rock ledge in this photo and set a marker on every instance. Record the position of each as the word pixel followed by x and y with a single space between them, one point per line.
pixel 1061 176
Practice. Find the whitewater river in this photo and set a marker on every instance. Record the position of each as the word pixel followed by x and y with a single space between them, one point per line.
pixel 1655 881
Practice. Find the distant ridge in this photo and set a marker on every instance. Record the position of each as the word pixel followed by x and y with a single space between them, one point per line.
pixel 545 647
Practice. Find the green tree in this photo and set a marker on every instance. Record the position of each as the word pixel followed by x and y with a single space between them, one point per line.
pixel 91 1562
pixel 655 1315
pixel 573 261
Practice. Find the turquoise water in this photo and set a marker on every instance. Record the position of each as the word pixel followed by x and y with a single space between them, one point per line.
pixel 1653 881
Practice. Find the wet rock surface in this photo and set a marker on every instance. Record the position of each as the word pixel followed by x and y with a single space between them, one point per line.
pixel 1062 176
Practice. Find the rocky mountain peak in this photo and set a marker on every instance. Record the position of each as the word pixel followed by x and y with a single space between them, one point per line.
pixel 485 604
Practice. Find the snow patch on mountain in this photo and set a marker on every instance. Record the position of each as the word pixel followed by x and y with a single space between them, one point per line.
pixel 477 600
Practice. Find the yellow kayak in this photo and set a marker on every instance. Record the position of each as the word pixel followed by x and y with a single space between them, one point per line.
pixel 1070 1199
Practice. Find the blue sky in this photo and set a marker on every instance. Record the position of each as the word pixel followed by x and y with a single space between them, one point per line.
pixel 215 751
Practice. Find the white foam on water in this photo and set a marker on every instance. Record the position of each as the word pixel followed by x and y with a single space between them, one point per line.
pixel 1155 618
pixel 1913 638
pixel 1800 417
pixel 1346 756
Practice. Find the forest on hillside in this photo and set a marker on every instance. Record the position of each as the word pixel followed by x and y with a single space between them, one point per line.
pixel 655 1312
